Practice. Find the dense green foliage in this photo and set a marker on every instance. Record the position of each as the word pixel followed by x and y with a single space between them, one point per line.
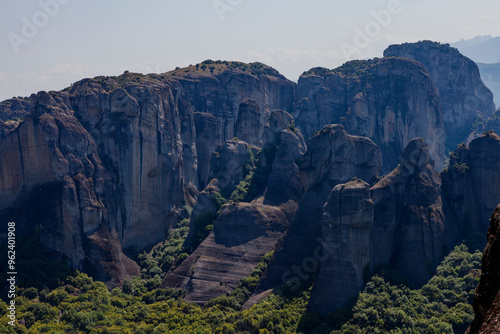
pixel 161 258
pixel 81 305
pixel 443 305
pixel 85 306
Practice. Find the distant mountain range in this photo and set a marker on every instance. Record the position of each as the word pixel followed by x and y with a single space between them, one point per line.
pixel 490 73
pixel 485 51
pixel 481 49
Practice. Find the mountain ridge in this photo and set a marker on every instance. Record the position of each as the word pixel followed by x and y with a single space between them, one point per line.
pixel 123 160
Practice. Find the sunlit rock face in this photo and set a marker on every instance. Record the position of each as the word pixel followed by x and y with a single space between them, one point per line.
pixel 464 97
pixel 389 100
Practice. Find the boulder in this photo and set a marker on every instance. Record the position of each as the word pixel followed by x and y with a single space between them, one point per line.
pixel 242 234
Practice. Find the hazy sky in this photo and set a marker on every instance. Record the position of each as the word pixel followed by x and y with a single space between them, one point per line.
pixel 48 44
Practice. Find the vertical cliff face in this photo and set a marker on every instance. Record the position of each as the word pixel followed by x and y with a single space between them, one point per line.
pixel 283 183
pixel 220 91
pixel 464 96
pixel 409 231
pixel 146 135
pixel 346 227
pixel 487 298
pixel 230 163
pixel 333 157
pixel 53 178
pixel 470 184
pixel 390 101
pixel 208 139
pixel 249 126
pixel 243 232
pixel 117 155
pixel 108 164
pixel 398 222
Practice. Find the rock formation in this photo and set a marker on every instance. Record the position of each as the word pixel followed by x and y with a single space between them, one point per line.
pixel 390 101
pixel 221 91
pixel 118 156
pixel 249 126
pixel 464 96
pixel 409 231
pixel 283 150
pixel 333 157
pixel 230 164
pixel 399 222
pixel 105 167
pixel 487 297
pixel 283 145
pixel 471 183
pixel 243 233
pixel 207 140
pixel 147 136
pixel 346 229
pixel 52 178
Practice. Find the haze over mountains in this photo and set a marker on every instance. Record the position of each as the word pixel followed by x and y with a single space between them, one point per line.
pixel 481 49
pixel 485 51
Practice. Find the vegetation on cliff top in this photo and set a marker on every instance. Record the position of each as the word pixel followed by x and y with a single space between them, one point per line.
pixel 353 68
pixel 219 66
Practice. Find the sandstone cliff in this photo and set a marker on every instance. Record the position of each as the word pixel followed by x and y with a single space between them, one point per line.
pixel 487 298
pixel 243 233
pixel 108 165
pixel 146 134
pixel 113 159
pixel 283 149
pixel 52 178
pixel 218 88
pixel 398 222
pixel 346 229
pixel 464 96
pixel 390 101
pixel 333 157
pixel 409 230
pixel 471 183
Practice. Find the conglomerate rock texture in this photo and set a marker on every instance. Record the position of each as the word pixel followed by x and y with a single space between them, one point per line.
pixel 104 168
pixel 398 222
pixel 464 97
pixel 113 158
pixel 333 157
pixel 389 100
pixel 243 233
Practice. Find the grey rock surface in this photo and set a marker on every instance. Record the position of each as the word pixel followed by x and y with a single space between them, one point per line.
pixel 243 233
pixel 389 100
pixel 464 96
pixel 346 229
